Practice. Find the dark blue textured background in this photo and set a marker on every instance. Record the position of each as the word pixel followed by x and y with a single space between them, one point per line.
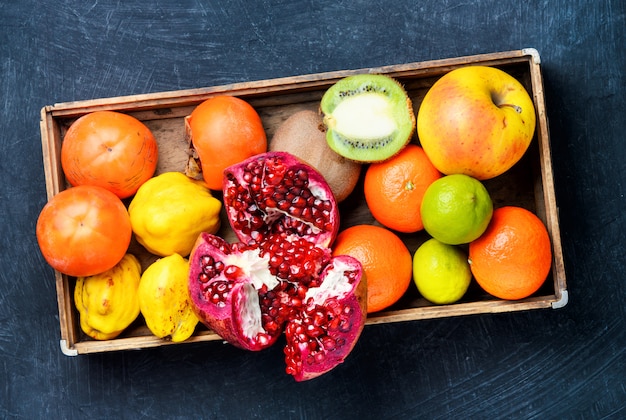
pixel 566 363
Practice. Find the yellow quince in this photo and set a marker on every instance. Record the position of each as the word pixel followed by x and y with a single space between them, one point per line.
pixel 107 303
pixel 170 210
pixel 164 299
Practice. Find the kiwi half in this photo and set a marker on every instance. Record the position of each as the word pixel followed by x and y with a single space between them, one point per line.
pixel 368 117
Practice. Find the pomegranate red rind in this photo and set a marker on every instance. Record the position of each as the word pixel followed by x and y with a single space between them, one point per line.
pixel 275 192
pixel 330 321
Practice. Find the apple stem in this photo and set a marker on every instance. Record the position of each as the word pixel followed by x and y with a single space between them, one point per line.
pixel 517 108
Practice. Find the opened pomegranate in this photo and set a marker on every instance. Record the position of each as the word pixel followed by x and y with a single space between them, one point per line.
pixel 280 276
pixel 326 327
pixel 221 288
pixel 237 291
pixel 247 292
pixel 275 192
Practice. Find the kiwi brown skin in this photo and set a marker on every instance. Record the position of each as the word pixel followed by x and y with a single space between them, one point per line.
pixel 303 134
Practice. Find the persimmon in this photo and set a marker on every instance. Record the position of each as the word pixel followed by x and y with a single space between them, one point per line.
pixel 83 231
pixel 111 150
pixel 224 130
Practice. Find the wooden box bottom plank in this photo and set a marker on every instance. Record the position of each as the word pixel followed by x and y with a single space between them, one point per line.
pixel 528 184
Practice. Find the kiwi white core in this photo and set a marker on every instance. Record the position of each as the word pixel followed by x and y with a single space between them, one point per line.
pixel 367 116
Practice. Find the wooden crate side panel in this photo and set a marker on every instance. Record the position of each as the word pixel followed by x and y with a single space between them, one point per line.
pixel 137 343
pixel 550 214
pixel 461 309
pixel 51 151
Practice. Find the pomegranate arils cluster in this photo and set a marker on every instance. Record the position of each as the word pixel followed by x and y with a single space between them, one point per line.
pixel 295 259
pixel 310 336
pixel 274 193
pixel 281 276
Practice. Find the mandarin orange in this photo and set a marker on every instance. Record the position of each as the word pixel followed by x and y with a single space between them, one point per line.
pixel 512 259
pixel 394 188
pixel 386 261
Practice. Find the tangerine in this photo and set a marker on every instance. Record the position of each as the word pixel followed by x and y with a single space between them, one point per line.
pixel 394 188
pixel 512 259
pixel 386 261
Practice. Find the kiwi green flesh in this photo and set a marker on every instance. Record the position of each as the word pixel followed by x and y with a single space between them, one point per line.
pixel 369 118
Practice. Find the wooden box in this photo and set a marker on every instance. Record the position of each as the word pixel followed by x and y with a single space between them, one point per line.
pixel 528 184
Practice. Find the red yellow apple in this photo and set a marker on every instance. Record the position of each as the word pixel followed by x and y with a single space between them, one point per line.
pixel 477 121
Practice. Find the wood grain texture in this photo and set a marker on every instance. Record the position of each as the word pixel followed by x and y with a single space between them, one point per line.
pixel 565 363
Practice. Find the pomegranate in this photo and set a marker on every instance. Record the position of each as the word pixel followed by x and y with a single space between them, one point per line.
pixel 276 192
pixel 280 276
pixel 326 327
pixel 237 292
pixel 224 280
pixel 246 292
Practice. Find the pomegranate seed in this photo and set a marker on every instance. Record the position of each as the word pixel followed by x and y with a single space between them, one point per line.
pixel 232 272
pixel 256 222
pixel 284 311
pixel 276 260
pixel 333 325
pixel 306 213
pixel 263 339
pixel 271 327
pixel 329 343
pixel 314 331
pixel 319 318
pixel 283 205
pixel 295 211
pixel 272 178
pixel 345 325
pixel 295 302
pixel 295 270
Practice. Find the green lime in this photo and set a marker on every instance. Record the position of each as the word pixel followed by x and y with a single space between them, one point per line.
pixel 456 209
pixel 441 272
